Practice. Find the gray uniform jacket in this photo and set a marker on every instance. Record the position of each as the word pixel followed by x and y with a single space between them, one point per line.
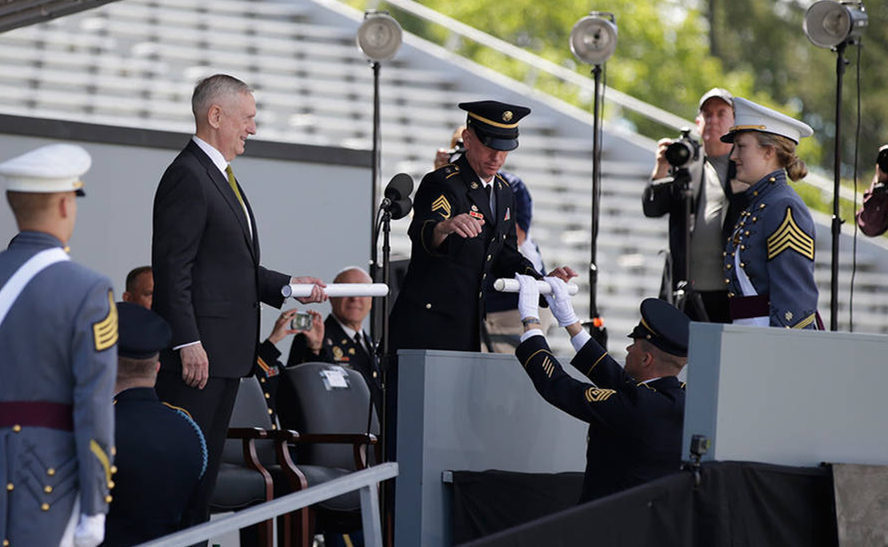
pixel 58 362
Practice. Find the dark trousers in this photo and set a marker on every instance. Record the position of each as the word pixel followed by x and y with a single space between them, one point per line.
pixel 210 408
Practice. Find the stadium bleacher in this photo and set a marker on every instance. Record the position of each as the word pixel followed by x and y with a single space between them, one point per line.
pixel 133 63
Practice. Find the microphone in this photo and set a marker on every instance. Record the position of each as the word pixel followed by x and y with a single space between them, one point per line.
pixel 398 190
pixel 399 187
pixel 401 208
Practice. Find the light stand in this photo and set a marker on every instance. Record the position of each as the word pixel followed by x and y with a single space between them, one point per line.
pixel 379 38
pixel 593 40
pixel 834 25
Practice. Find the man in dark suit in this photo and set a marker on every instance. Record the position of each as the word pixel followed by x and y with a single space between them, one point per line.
pixel 161 452
pixel 463 237
pixel 636 413
pixel 207 273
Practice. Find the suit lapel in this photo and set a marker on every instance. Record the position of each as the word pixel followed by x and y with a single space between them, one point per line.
pixel 221 184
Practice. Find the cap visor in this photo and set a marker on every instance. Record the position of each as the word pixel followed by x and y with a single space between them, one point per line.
pixel 501 144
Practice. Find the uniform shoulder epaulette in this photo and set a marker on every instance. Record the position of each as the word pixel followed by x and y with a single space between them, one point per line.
pixel 503 180
pixel 450 170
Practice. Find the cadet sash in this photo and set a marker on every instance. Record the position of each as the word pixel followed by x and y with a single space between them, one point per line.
pixel 26 272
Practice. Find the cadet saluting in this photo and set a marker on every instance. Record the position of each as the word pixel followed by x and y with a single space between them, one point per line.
pixel 58 359
pixel 463 237
pixel 769 258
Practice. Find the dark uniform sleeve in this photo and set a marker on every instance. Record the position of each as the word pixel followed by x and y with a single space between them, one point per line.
pixel 299 352
pixel 790 265
pixel 609 404
pixel 434 203
pixel 94 350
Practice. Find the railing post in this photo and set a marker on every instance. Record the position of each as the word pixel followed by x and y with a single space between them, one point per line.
pixel 370 515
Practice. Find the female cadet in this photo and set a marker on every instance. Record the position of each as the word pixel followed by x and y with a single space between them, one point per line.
pixel 769 258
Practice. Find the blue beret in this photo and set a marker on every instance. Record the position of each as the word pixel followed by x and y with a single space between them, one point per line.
pixel 495 123
pixel 141 332
pixel 664 326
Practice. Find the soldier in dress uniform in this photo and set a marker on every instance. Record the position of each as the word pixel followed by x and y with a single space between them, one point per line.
pixel 636 413
pixel 769 257
pixel 161 452
pixel 463 237
pixel 58 359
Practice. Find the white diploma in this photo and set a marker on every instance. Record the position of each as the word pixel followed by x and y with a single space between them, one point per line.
pixel 301 290
pixel 504 284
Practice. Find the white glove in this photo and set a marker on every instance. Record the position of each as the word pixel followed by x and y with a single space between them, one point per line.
pixel 90 530
pixel 528 297
pixel 559 302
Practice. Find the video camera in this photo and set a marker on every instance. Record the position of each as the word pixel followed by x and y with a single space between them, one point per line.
pixel 458 150
pixel 683 151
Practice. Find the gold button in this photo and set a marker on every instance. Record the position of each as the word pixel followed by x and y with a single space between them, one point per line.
pixel 262 380
pixel 5 543
pixel 113 450
pixel 108 499
pixel 754 219
pixel 742 247
pixel 484 276
pixel 50 471
pixel 724 253
pixel 742 264
pixel 755 193
pixel 772 179
pixel 732 254
pixel 730 295
pixel 761 206
pixel 374 374
pixel 274 426
pixel 489 257
pixel 267 396
pixel 10 487
pixel 113 469
pixel 44 507
pixel 428 306
pixel 270 411
pixel 480 294
pixel 16 428
pixel 746 233
pixel 729 266
pixel 47 489
pixel 111 484
pixel 727 281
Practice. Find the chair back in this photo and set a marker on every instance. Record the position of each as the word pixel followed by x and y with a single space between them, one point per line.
pixel 250 410
pixel 309 402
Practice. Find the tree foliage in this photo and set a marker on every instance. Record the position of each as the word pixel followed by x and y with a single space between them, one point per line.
pixel 669 52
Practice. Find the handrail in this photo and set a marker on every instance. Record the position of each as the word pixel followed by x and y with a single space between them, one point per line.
pixel 618 98
pixel 365 480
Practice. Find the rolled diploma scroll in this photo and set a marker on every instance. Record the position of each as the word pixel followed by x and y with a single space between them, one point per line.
pixel 301 290
pixel 504 284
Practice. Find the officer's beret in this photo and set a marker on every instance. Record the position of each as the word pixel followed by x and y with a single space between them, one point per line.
pixel 48 169
pixel 749 116
pixel 141 332
pixel 664 326
pixel 495 123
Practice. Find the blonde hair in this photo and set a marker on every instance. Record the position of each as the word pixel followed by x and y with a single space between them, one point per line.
pixel 786 156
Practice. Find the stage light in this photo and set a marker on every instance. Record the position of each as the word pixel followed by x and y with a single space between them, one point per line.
pixel 593 38
pixel 828 23
pixel 379 36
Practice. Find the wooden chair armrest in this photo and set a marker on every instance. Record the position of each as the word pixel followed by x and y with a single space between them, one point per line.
pixel 359 442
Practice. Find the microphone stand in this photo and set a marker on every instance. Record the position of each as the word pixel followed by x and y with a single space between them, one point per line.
pixel 595 323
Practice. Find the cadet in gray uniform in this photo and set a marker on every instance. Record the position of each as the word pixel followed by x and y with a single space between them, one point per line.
pixel 58 360
pixel 769 258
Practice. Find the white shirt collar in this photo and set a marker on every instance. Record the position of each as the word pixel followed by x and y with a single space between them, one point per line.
pixel 217 158
pixel 350 332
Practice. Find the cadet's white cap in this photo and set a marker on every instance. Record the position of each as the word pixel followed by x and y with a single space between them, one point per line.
pixel 749 116
pixel 51 168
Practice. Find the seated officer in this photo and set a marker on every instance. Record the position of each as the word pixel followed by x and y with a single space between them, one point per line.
pixel 161 452
pixel 635 414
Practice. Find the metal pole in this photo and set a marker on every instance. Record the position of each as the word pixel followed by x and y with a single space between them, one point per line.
pixel 374 255
pixel 836 219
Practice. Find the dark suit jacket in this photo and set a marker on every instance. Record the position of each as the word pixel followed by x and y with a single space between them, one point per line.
pixel 207 279
pixel 340 348
pixel 161 455
pixel 440 303
pixel 634 428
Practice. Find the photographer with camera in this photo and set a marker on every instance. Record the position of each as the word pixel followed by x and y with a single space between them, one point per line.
pixel 695 190
pixel 873 214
